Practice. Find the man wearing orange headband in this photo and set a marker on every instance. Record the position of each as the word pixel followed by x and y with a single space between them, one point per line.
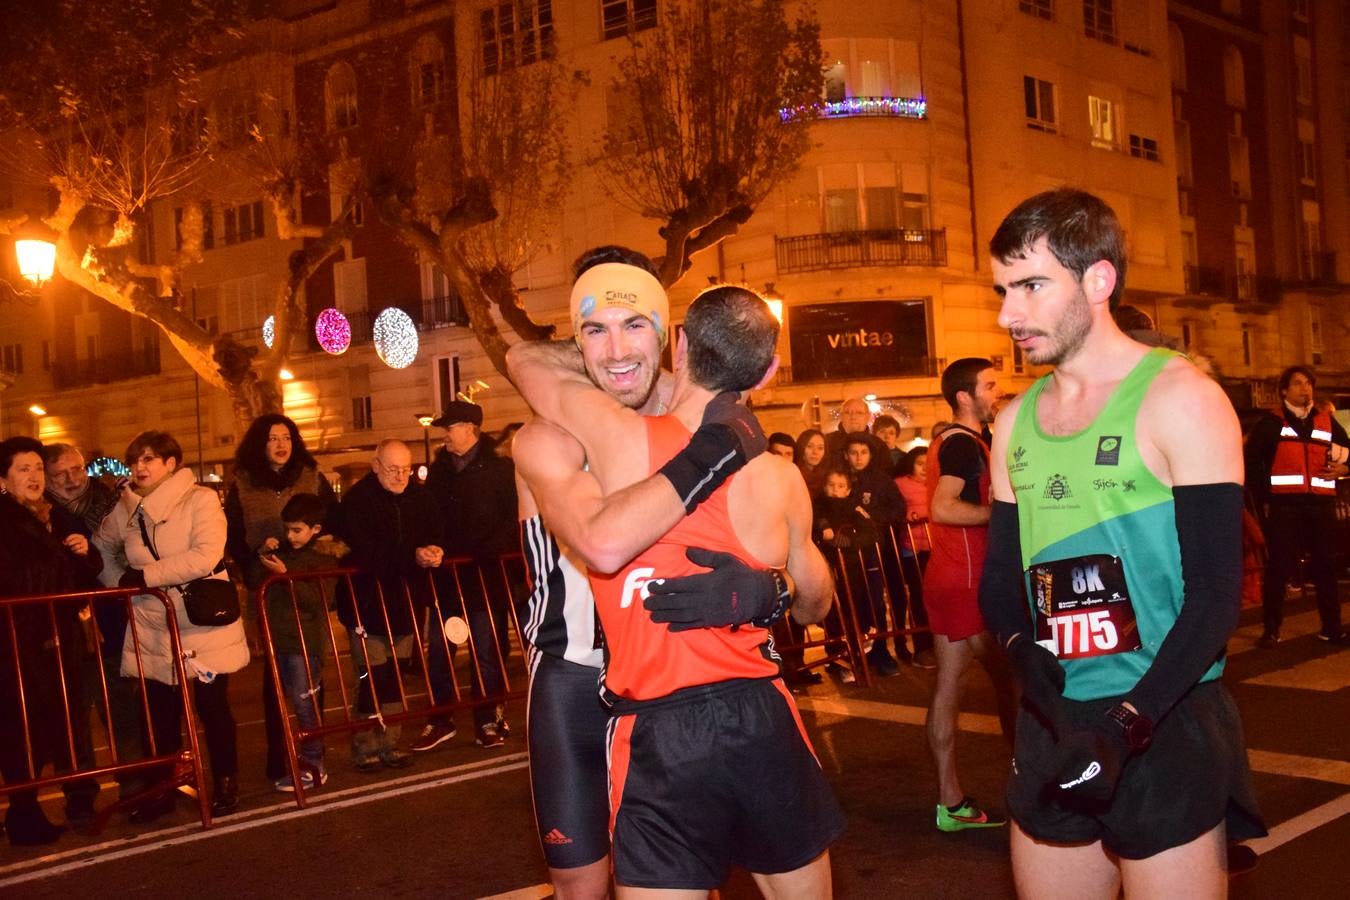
pixel 620 317
pixel 705 733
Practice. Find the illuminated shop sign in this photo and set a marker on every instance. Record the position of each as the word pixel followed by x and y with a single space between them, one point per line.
pixel 831 341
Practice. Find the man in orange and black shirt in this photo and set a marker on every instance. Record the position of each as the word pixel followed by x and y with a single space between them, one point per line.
pixel 689 800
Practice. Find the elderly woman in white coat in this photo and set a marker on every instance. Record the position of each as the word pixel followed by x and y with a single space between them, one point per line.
pixel 186 526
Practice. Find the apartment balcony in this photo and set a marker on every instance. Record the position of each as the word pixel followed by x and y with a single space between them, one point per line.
pixel 105 369
pixel 1249 288
pixel 1318 267
pixel 856 107
pixel 427 315
pixel 1204 280
pixel 851 249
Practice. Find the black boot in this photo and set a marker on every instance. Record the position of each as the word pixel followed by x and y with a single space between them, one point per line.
pixel 28 826
pixel 154 808
pixel 225 798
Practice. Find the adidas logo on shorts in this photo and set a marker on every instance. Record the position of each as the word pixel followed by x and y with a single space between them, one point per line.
pixel 556 838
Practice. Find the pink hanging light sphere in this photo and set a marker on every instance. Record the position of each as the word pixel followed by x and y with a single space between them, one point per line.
pixel 333 331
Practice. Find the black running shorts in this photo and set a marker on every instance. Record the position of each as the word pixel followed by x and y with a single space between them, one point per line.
pixel 716 776
pixel 566 735
pixel 1192 777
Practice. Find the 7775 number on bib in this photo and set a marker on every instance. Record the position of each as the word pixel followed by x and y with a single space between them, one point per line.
pixel 1083 607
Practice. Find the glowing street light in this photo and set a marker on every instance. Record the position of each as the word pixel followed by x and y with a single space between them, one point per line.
pixel 38 410
pixel 425 421
pixel 37 260
pixel 286 375
pixel 774 301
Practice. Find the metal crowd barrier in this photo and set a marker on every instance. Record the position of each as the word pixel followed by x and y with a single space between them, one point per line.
pixel 448 579
pixel 845 636
pixel 76 643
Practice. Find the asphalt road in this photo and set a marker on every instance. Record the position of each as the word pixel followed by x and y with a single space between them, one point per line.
pixel 458 823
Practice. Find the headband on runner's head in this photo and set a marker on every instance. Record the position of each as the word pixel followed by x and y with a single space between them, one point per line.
pixel 623 286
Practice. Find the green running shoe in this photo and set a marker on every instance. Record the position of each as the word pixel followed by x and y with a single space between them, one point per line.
pixel 967 815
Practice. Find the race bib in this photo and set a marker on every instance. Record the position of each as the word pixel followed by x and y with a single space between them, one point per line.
pixel 1083 607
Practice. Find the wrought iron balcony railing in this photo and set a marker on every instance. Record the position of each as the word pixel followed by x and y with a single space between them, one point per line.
pixel 426 315
pixel 105 369
pixel 1205 280
pixel 848 249
pixel 1318 267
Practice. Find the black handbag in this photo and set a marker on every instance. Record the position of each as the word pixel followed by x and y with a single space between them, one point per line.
pixel 208 601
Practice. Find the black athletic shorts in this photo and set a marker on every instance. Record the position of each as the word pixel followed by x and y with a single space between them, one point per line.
pixel 715 776
pixel 1193 777
pixel 565 730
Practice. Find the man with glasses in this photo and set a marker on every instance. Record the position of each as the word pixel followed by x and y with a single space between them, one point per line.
pixel 394 533
pixel 69 484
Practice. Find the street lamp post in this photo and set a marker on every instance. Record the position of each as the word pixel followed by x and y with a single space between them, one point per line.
pixel 425 421
pixel 37 411
pixel 37 260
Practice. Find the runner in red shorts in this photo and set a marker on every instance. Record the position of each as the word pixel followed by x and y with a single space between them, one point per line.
pixel 958 491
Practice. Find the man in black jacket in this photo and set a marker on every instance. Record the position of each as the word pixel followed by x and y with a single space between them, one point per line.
pixel 474 490
pixel 394 533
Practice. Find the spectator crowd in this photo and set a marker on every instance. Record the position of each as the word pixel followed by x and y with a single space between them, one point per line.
pixel 65 531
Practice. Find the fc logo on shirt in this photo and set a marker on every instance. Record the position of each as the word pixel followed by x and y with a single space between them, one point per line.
pixel 635 586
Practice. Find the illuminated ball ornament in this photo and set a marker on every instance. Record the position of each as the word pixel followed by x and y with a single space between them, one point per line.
pixel 269 330
pixel 333 331
pixel 395 338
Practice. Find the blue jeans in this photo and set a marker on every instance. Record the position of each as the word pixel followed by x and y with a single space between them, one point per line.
pixel 487 635
pixel 307 702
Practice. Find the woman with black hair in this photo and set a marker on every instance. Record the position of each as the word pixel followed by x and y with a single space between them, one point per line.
pixel 271 466
pixel 810 459
pixel 44 549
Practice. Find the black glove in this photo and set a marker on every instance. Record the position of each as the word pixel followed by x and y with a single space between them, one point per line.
pixel 729 437
pixel 1040 674
pixel 731 594
pixel 132 578
pixel 1088 761
pixel 727 409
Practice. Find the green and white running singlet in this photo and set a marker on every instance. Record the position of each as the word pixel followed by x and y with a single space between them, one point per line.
pixel 1099 541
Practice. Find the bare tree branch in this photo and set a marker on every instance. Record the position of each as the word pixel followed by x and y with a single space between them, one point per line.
pixel 705 143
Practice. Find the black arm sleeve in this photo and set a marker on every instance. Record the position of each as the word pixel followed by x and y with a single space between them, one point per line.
pixel 1001 586
pixel 1209 531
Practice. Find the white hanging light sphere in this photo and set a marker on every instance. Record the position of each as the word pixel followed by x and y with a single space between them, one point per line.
pixel 395 338
pixel 269 331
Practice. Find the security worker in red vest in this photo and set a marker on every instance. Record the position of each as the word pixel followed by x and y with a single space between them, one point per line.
pixel 1294 457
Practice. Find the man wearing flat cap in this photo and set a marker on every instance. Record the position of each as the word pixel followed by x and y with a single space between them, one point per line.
pixel 475 491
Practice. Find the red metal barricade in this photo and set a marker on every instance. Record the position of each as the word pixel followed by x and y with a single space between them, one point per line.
pixel 442 595
pixel 845 633
pixel 841 642
pixel 72 636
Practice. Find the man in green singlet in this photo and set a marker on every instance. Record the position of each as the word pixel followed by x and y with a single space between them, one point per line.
pixel 1117 486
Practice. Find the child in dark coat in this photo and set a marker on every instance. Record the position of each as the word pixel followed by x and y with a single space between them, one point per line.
pixel 296 619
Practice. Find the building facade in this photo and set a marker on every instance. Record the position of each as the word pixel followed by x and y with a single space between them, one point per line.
pixel 1216 128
